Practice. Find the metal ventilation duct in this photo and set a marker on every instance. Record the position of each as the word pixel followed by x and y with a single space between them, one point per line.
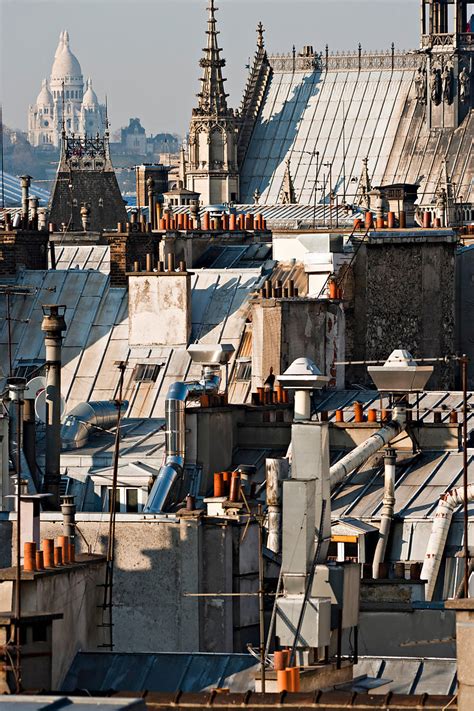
pixel 211 357
pixel 86 417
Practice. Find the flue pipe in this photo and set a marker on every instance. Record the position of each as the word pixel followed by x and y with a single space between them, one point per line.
pixel 360 454
pixel 68 510
pixel 53 325
pixel 276 471
pixel 25 181
pixel 439 534
pixel 389 459
pixel 178 395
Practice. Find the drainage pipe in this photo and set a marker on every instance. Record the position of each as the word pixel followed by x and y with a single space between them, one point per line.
pixel 439 534
pixel 387 510
pixel 360 454
pixel 178 394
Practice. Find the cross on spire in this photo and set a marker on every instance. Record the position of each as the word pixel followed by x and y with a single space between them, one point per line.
pixel 212 97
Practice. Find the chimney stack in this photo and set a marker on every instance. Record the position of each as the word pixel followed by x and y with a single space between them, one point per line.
pixel 53 325
pixel 25 187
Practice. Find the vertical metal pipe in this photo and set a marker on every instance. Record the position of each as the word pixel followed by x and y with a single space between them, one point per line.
pixel 68 510
pixel 464 361
pixel 53 325
pixel 29 437
pixel 25 181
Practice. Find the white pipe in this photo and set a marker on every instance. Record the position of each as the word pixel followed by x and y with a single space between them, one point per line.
pixel 276 471
pixel 360 454
pixel 439 534
pixel 387 510
pixel 302 405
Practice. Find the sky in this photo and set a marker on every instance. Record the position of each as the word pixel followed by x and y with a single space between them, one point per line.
pixel 144 53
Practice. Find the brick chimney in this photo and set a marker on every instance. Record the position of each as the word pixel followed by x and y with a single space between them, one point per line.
pixel 22 248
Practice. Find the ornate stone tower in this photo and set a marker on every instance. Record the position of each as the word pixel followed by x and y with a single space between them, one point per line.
pixel 212 168
pixel 445 81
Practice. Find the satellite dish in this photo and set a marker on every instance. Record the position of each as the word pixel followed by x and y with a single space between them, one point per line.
pixel 40 406
pixel 34 387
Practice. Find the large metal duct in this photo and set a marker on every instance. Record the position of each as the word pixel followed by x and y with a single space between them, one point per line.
pixel 87 417
pixel 360 454
pixel 178 395
pixel 439 534
pixel 390 459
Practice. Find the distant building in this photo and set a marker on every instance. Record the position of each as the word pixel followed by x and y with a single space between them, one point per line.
pixel 133 138
pixel 86 195
pixel 62 100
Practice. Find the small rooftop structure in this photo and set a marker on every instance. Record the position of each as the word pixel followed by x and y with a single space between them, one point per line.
pixel 400 373
pixel 303 374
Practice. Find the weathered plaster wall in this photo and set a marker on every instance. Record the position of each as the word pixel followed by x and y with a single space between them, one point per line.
pixel 159 307
pixel 286 329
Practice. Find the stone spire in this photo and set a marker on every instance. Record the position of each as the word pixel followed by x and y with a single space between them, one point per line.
pixel 362 197
pixel 287 195
pixel 212 97
pixel 260 38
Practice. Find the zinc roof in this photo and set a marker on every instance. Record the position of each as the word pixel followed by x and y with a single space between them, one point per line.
pixel 312 112
pixel 97 332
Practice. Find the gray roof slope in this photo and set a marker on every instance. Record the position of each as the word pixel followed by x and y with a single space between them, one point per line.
pixel 406 675
pixel 97 333
pixel 311 111
pixel 198 671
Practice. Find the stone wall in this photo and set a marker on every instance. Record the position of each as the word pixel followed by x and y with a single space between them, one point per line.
pixel 405 298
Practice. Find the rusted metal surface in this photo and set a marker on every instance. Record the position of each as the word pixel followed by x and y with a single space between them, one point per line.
pixel 334 700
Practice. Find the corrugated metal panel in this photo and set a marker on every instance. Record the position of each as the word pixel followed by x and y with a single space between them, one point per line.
pixel 160 672
pixel 409 675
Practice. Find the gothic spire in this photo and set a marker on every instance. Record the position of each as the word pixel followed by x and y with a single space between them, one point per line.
pixel 212 97
pixel 287 193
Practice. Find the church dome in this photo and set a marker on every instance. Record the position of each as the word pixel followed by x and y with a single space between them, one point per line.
pixel 45 97
pixel 90 100
pixel 65 64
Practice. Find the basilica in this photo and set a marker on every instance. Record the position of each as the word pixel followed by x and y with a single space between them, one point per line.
pixel 64 103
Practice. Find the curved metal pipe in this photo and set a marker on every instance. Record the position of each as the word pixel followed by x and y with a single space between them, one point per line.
pixel 86 417
pixel 360 454
pixel 387 511
pixel 439 534
pixel 175 415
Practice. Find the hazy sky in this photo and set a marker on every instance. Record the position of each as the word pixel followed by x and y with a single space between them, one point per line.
pixel 144 53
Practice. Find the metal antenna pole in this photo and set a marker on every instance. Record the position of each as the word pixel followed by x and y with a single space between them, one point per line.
pixel 344 152
pixel 109 570
pixel 9 324
pixel 16 388
pixel 18 548
pixel 464 362
pixel 1 155
pixel 261 593
pixel 316 189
